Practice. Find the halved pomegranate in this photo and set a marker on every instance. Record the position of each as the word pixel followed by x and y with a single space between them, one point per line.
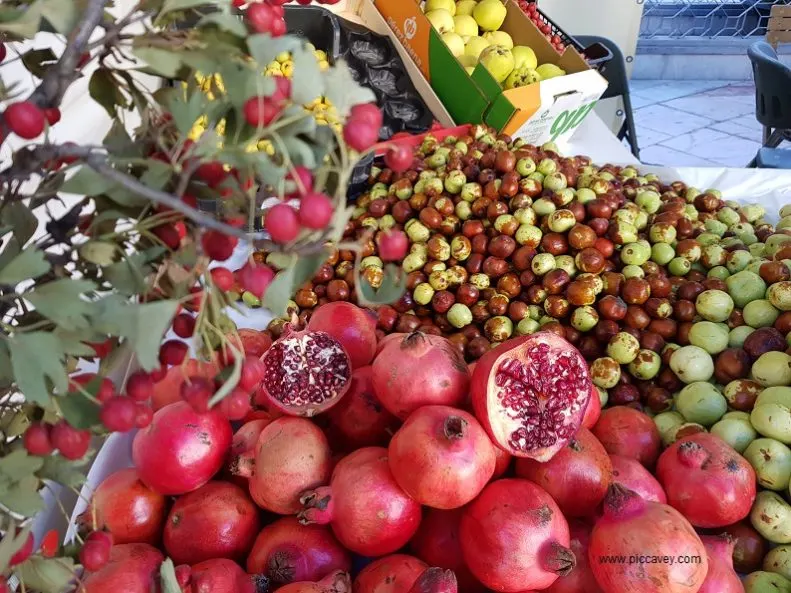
pixel 530 394
pixel 306 373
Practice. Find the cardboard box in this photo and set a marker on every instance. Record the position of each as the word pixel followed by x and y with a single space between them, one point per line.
pixel 549 110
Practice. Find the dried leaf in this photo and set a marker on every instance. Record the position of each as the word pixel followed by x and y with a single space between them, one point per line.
pixel 62 302
pixel 47 575
pixel 30 263
pixel 36 357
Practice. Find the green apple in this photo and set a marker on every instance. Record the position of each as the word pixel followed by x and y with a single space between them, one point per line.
pixel 547 71
pixel 454 42
pixel 465 25
pixel 521 76
pixel 467 60
pixel 499 38
pixel 524 56
pixel 441 20
pixel 448 5
pixel 489 14
pixel 498 60
pixel 465 7
pixel 475 46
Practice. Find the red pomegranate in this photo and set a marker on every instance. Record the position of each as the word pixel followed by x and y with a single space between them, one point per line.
pixel 242 449
pixel 181 449
pixel 514 537
pixel 707 481
pixel 369 513
pixel 127 508
pixel 630 473
pixel 218 520
pixel 168 390
pixel 419 370
pixel 335 582
pixel 441 457
pixel 435 580
pixel 291 456
pixel 352 326
pixel 632 527
pixel 592 410
pixel 395 337
pixel 581 579
pixel 392 574
pixel 306 372
pixel 437 543
pixel 628 432
pixel 577 477
pixel 287 552
pixel 360 420
pixel 530 394
pixel 133 568
pixel 720 578
pixel 223 576
pixel 502 462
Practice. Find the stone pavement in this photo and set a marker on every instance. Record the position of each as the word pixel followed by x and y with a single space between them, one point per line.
pixel 693 123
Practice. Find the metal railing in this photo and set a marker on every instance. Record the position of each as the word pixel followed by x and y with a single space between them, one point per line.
pixel 679 19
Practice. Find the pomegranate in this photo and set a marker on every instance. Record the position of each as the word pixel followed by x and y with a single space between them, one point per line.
pixel 628 432
pixel 360 420
pixel 352 326
pixel 242 450
pixel 514 537
pixel 502 463
pixel 306 373
pixel 749 547
pixel 437 543
pixel 287 552
pixel 133 568
pixel 577 477
pixel 530 394
pixel 220 575
pixel 396 337
pixel 630 473
pixel 218 520
pixel 181 449
pixel 435 580
pixel 368 511
pixel 335 582
pixel 632 528
pixel 419 370
pixel 127 508
pixel 392 574
pixel 721 578
pixel 592 410
pixel 707 481
pixel 581 579
pixel 291 456
pixel 441 457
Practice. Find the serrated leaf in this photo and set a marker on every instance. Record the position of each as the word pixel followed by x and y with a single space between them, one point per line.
pixel 343 91
pixel 268 172
pixel 12 541
pixel 118 142
pixel 78 410
pixel 73 343
pixel 186 112
pixel 264 48
pixel 59 469
pixel 22 497
pixel 87 182
pixel 300 152
pixel 103 89
pixel 30 263
pixel 23 221
pixel 392 288
pixel 286 283
pixel 61 14
pixel 61 301
pixel 227 22
pixel 27 22
pixel 156 176
pixel 167 577
pixel 161 61
pixel 35 357
pixel 128 276
pixel 18 465
pixel 37 61
pixel 307 83
pixel 47 575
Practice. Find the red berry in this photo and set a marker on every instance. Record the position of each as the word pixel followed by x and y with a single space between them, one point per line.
pixel 393 245
pixel 217 245
pixel 278 9
pixel 25 119
pixel 36 439
pixel 104 538
pixel 315 211
pixel 52 114
pixel 104 391
pixel 255 278
pixel 222 278
pixel 197 392
pixel 252 373
pixel 235 405
pixel 261 111
pixel 212 173
pixel 260 16
pixel 72 443
pixel 172 353
pixel 94 555
pixel 367 112
pixel 301 174
pixel 140 386
pixel 143 415
pixel 282 223
pixel 399 158
pixel 184 325
pixel 168 234
pixel 183 574
pixel 118 414
pixel 360 135
pixel 158 374
pixel 190 200
pixel 22 553
pixel 3 51
pixel 49 544
pixel 238 3
pixel 282 89
pixel 278 27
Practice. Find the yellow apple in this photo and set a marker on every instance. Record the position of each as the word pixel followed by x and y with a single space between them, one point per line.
pixel 524 56
pixel 475 46
pixel 547 71
pixel 454 42
pixel 467 60
pixel 521 76
pixel 465 7
pixel 498 60
pixel 465 25
pixel 441 20
pixel 448 5
pixel 489 14
pixel 499 38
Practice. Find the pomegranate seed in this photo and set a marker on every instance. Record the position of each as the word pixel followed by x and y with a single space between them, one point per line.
pixel 36 440
pixel 222 278
pixel 367 112
pixel 399 158
pixel 315 211
pixel 118 414
pixel 143 415
pixel 218 246
pixel 104 538
pixel 256 278
pixel 197 392
pixel 25 119
pixel 282 223
pixel 259 112
pixel 140 386
pixel 213 173
pixel 360 135
pixel 94 556
pixel 236 405
pixel 302 174
pixel 72 443
pixel 52 115
pixel 49 544
pixel 252 373
pixel 184 325
pixel 24 552
pixel 168 234
pixel 172 353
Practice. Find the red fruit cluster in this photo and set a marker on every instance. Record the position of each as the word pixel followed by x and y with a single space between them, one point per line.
pixel 315 211
pixel 361 131
pixel 267 17
pixel 531 10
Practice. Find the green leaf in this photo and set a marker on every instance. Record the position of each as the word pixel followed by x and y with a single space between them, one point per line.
pixel 73 343
pixel 186 113
pixel 167 577
pixel 59 469
pixel 103 89
pixel 36 356
pixel 230 381
pixel 267 170
pixel 38 61
pixel 307 83
pixel 87 182
pixel 393 286
pixel 27 22
pixel 22 497
pixel 18 465
pixel 286 283
pixel 173 5
pixel 30 263
pixel 47 575
pixel 12 542
pixel 61 14
pixel 300 152
pixel 129 275
pixel 78 410
pixel 264 48
pixel 118 142
pixel 19 216
pixel 164 62
pixel 342 90
pixel 62 302
pixel 227 22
